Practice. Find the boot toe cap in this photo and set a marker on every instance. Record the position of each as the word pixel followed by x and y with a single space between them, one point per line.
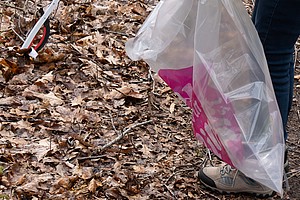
pixel 205 179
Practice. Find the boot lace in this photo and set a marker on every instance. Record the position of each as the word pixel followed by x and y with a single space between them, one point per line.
pixel 226 169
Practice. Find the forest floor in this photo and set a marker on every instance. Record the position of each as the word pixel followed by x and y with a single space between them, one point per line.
pixel 83 121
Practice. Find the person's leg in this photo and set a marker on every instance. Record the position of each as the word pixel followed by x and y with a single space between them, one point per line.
pixel 278 25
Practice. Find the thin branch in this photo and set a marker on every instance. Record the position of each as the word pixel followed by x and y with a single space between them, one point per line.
pixel 120 136
pixel 294 173
pixel 112 122
pixel 11 6
pixel 91 157
pixel 171 192
pixel 18 35
pixel 116 32
pixel 95 197
pixel 286 181
pixel 177 172
pixel 209 194
pixel 5 30
pixel 151 77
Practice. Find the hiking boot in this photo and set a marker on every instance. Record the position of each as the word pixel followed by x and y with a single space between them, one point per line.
pixel 226 179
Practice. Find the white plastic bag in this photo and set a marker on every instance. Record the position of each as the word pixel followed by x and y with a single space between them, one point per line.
pixel 209 53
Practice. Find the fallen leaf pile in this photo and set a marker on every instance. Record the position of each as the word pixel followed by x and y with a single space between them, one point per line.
pixel 83 121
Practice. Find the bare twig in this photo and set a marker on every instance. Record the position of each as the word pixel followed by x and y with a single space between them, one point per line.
pixel 150 76
pixel 95 197
pixel 292 174
pixel 171 192
pixel 50 143
pixel 208 158
pixel 209 194
pixel 91 157
pixel 25 5
pixel 18 35
pixel 6 30
pixel 112 122
pixel 121 135
pixel 179 171
pixel 286 181
pixel 115 32
pixel 11 6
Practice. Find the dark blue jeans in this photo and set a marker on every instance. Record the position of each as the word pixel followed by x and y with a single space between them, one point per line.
pixel 278 26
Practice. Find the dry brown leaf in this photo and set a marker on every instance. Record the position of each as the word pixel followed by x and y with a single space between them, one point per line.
pixel 77 101
pixel 139 9
pixel 93 185
pixel 91 68
pixel 46 78
pixel 85 40
pixel 41 148
pixel 64 182
pixel 10 69
pixel 50 98
pixel 22 124
pixel 30 188
pixel 9 101
pixel 5 181
pixel 4 63
pixel 139 169
pixel 62 169
pixel 172 107
pixel 50 57
pixel 85 115
pixel 130 110
pixel 146 152
pixel 125 91
pixel 111 59
pixel 114 192
pixel 83 172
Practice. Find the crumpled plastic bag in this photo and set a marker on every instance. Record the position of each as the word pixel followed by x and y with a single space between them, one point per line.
pixel 209 53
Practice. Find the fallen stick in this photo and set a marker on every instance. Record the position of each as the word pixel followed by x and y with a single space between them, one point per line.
pixel 11 6
pixel 177 172
pixel 90 157
pixel 121 135
pixel 209 194
pixel 171 192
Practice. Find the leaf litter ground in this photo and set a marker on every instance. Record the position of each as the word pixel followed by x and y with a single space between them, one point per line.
pixel 83 121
